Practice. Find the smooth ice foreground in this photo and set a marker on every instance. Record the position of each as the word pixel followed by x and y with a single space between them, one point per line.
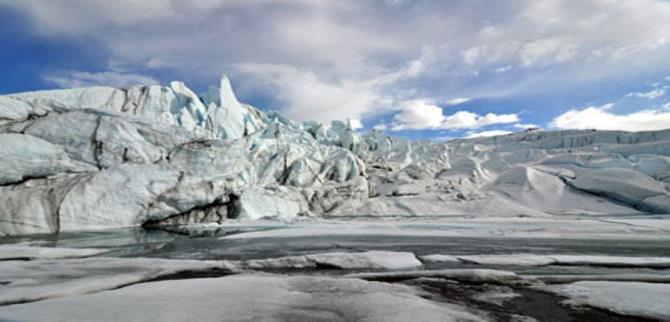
pixel 373 285
pixel 245 298
pixel 368 260
pixel 649 300
pixel 37 280
pixel 544 260
pixel 103 157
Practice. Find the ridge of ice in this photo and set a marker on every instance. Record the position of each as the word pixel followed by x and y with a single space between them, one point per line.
pixel 185 159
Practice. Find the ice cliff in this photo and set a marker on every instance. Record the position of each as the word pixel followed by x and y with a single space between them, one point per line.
pixel 104 157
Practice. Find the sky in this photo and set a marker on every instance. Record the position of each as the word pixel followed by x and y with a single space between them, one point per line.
pixel 425 69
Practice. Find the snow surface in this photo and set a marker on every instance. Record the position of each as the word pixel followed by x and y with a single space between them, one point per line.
pixel 25 281
pixel 629 277
pixel 13 252
pixel 245 298
pixel 650 300
pixel 522 259
pixel 368 260
pixel 102 157
pixel 470 227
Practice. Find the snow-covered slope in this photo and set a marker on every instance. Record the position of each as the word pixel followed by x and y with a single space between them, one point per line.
pixel 102 157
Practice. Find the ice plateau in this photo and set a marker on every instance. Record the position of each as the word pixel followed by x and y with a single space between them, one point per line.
pixel 103 157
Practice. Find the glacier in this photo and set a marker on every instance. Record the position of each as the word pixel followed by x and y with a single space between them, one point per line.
pixel 102 157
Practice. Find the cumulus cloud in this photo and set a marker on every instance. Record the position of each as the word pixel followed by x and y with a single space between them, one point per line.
pixel 457 101
pixel 355 124
pixel 310 96
pixel 482 134
pixel 469 120
pixel 526 126
pixel 419 114
pixel 652 94
pixel 352 59
pixel 380 127
pixel 73 79
pixel 554 32
pixel 600 117
pixel 503 69
pixel 306 96
pixel 424 114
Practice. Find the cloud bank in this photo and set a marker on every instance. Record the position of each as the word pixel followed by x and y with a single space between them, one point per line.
pixel 327 60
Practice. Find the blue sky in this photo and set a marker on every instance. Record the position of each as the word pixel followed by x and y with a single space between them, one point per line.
pixel 415 68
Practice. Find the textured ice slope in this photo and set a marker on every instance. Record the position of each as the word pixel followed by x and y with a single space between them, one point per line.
pixel 102 157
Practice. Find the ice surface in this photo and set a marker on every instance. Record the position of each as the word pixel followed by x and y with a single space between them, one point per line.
pixel 26 157
pixel 439 258
pixel 543 260
pixel 499 227
pixel 466 275
pixel 10 252
pixel 509 259
pixel 369 260
pixel 628 186
pixel 629 277
pixel 245 298
pixel 650 300
pixel 26 281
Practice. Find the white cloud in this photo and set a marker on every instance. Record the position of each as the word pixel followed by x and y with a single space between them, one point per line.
pixel 469 120
pixel 457 101
pixel 424 114
pixel 355 124
pixel 526 126
pixel 482 134
pixel 309 96
pixel 380 127
pixel 599 117
pixel 419 114
pixel 652 94
pixel 72 79
pixel 503 69
pixel 547 51
pixel 397 3
pixel 666 106
pixel 338 59
pixel 555 32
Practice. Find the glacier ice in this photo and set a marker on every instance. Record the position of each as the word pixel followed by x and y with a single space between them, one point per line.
pixel 247 297
pixel 370 260
pixel 648 300
pixel 522 259
pixel 103 157
pixel 27 281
